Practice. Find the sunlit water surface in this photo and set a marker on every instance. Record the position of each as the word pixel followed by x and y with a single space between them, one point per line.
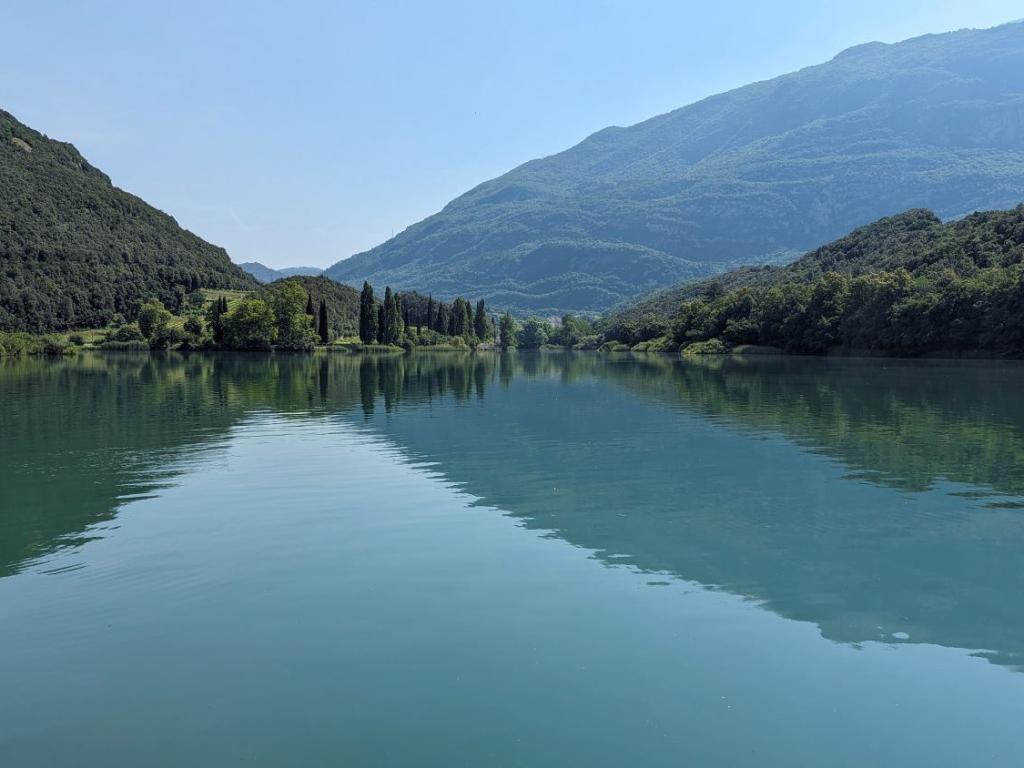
pixel 532 560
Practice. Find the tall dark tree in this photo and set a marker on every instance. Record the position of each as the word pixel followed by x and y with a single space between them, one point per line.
pixel 215 317
pixel 367 315
pixel 380 324
pixel 454 315
pixel 309 305
pixel 441 319
pixel 430 312
pixel 480 324
pixel 457 325
pixel 391 318
pixel 323 326
pixel 507 331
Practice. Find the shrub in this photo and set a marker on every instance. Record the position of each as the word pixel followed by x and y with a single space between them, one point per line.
pixel 56 346
pixel 126 333
pixel 709 347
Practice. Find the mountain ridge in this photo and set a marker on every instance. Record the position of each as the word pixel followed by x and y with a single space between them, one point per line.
pixel 760 173
pixel 265 274
pixel 76 251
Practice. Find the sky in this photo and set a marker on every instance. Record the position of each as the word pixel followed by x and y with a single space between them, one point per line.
pixel 300 133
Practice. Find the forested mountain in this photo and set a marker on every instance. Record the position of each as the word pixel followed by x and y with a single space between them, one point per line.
pixel 76 250
pixel 266 274
pixel 915 240
pixel 907 284
pixel 754 175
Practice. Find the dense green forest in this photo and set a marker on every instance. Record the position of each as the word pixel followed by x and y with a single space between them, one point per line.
pixel 762 173
pixel 77 252
pixel 907 285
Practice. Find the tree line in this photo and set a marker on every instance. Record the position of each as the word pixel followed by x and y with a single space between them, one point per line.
pixel 408 320
pixel 411 319
pixel 890 312
pixel 280 317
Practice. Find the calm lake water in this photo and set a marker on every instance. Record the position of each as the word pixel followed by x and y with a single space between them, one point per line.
pixel 520 560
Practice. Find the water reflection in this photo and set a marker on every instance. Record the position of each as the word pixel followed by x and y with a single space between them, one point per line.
pixel 879 500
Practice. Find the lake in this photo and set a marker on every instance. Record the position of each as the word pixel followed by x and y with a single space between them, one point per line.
pixel 510 560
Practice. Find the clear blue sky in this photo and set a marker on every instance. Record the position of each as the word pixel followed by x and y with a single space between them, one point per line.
pixel 301 133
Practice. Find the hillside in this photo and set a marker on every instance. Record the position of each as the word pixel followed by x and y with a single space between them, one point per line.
pixel 265 274
pixel 757 174
pixel 907 285
pixel 342 302
pixel 916 240
pixel 76 250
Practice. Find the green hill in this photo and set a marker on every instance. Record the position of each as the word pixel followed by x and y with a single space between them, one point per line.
pixel 76 250
pixel 916 240
pixel 759 174
pixel 907 284
pixel 342 302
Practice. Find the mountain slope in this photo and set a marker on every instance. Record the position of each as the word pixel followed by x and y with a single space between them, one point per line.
pixel 265 274
pixel 907 285
pixel 75 250
pixel 342 301
pixel 917 241
pixel 757 174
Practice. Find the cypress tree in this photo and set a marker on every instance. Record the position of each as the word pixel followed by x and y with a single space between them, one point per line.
pixel 480 321
pixel 390 318
pixel 309 305
pixel 216 323
pixel 385 317
pixel 325 333
pixel 367 315
pixel 455 319
pixel 430 312
pixel 219 331
pixel 467 318
pixel 441 321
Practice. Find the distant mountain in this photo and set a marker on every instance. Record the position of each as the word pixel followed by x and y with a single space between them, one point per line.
pixel 265 274
pixel 758 174
pixel 75 250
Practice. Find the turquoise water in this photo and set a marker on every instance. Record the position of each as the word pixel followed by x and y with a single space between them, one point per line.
pixel 532 560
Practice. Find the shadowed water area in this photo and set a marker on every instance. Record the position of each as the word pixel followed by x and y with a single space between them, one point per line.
pixel 524 559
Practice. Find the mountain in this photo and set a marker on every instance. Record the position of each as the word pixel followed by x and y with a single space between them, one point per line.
pixel 265 274
pixel 757 174
pixel 908 285
pixel 76 250
pixel 917 241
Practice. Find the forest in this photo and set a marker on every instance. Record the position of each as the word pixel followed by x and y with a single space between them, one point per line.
pixel 907 285
pixel 77 252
